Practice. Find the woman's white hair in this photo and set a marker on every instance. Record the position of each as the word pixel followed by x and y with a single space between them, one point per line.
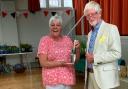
pixel 92 5
pixel 59 18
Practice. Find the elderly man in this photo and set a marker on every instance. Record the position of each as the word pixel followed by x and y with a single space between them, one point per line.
pixel 103 50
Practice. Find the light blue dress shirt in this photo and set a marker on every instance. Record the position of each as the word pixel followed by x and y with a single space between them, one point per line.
pixel 92 40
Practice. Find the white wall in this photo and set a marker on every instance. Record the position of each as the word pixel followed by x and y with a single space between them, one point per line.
pixel 124 46
pixel 32 28
pixel 8 25
pixel 1 35
pixel 21 4
pixel 8 28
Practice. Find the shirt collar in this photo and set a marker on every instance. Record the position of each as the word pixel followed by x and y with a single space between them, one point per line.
pixel 97 26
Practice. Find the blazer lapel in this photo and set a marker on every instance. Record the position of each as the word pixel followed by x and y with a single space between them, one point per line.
pixel 88 39
pixel 99 34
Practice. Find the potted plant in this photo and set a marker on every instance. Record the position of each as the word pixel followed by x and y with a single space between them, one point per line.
pixel 26 47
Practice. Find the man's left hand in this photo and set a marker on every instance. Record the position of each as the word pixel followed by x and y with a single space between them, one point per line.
pixel 90 57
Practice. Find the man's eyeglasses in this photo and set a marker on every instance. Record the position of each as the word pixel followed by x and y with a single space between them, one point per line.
pixel 91 15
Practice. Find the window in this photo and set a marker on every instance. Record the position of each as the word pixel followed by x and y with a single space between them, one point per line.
pixel 43 3
pixel 68 3
pixel 55 3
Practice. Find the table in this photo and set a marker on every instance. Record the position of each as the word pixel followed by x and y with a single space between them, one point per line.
pixel 16 53
pixel 23 55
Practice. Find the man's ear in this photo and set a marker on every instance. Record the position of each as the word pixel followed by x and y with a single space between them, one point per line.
pixel 100 13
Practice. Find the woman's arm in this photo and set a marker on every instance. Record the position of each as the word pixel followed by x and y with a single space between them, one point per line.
pixel 44 62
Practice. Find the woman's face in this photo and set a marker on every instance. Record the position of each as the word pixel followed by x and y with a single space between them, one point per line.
pixel 55 28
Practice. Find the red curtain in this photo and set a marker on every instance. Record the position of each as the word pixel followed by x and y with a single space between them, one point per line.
pixel 33 5
pixel 116 12
pixel 124 12
pixel 79 8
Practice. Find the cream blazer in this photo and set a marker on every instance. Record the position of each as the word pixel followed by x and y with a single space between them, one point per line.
pixel 107 51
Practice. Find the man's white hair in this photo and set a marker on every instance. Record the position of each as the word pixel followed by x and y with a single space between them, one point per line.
pixel 59 18
pixel 92 5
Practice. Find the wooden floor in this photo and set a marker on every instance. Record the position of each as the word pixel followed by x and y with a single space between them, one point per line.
pixel 30 80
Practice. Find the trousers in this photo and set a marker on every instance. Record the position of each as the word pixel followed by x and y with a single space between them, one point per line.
pixel 92 82
pixel 60 86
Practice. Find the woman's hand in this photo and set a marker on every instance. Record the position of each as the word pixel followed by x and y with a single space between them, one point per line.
pixel 77 47
pixel 76 44
pixel 62 63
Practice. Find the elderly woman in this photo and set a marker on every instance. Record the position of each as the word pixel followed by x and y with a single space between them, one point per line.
pixel 54 54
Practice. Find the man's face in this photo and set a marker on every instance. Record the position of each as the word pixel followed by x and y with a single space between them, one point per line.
pixel 93 17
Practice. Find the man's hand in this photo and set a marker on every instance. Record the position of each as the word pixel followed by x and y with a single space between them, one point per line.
pixel 90 57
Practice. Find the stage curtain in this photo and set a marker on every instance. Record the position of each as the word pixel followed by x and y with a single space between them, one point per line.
pixel 78 5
